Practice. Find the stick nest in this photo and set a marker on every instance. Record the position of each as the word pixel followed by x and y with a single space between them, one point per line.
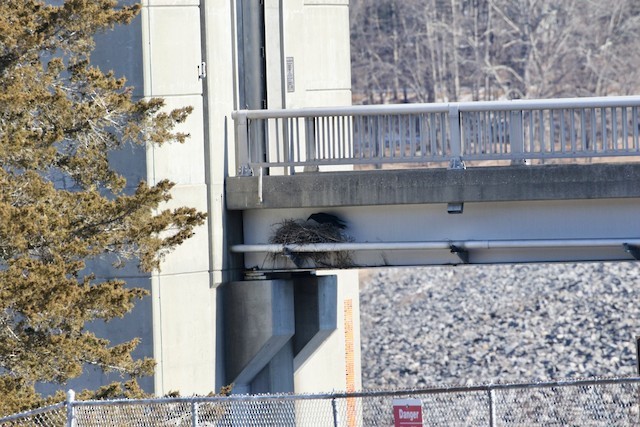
pixel 292 232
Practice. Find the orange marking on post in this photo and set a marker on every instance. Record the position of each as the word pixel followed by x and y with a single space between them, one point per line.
pixel 350 370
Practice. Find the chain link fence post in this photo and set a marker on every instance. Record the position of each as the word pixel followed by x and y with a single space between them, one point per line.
pixel 334 408
pixel 194 414
pixel 71 411
pixel 492 408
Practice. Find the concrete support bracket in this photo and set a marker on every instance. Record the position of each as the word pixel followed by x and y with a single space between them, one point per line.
pixel 259 321
pixel 316 299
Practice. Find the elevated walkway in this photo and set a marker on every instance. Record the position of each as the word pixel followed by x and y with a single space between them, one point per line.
pixel 523 211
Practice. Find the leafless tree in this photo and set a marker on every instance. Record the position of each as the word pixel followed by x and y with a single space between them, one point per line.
pixel 437 50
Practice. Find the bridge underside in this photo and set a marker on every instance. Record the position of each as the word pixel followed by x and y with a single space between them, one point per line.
pixel 507 214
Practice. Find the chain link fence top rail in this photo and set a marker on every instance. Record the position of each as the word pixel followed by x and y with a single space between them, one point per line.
pixel 597 402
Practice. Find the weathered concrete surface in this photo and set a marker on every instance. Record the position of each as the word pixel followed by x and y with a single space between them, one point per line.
pixel 271 322
pixel 424 186
pixel 316 301
pixel 259 321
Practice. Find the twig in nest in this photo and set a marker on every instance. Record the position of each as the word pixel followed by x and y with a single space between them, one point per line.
pixel 289 232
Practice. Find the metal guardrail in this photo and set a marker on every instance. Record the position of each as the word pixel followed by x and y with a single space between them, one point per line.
pixel 448 133
pixel 595 402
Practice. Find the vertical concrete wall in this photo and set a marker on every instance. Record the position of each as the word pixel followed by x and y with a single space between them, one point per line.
pixel 183 304
pixel 335 365
pixel 316 40
pixel 161 54
pixel 219 53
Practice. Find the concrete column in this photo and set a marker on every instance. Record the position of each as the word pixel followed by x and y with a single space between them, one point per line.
pixel 258 323
pixel 273 327
pixel 277 376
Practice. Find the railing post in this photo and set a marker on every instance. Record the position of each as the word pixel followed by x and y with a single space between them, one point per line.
pixel 310 143
pixel 71 412
pixel 455 137
pixel 242 143
pixel 516 138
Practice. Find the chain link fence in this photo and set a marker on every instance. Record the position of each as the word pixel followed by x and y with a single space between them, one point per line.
pixel 598 402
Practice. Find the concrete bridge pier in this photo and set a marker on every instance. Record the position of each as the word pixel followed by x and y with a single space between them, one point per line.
pixel 273 325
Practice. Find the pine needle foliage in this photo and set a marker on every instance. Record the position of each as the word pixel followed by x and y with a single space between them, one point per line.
pixel 60 117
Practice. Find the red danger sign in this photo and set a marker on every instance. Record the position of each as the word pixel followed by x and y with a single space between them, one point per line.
pixel 407 413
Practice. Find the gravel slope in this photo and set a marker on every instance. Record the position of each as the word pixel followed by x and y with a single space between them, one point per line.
pixel 500 323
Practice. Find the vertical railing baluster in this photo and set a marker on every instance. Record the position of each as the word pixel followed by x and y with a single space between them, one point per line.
pixel 348 126
pixel 297 138
pixel 390 136
pixel 334 139
pixel 625 133
pixel 562 132
pixel 594 136
pixel 443 126
pixel 493 138
pixel 373 143
pixel 390 139
pixel 583 130
pixel 340 137
pixel 572 126
pixel 532 147
pixel 503 129
pixel 361 146
pixel 614 129
pixel 369 141
pixel 292 150
pixel 498 132
pixel 401 143
pixel 263 146
pixel 412 135
pixel 277 132
pixel 479 132
pixel 552 130
pixel 323 135
pixel 603 115
pixel 634 113
pixel 423 146
pixel 486 132
pixel 379 128
pixel 318 139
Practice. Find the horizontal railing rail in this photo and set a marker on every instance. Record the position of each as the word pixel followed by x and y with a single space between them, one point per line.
pixel 447 133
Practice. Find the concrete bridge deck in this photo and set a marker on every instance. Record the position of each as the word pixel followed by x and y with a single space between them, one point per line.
pixel 403 217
